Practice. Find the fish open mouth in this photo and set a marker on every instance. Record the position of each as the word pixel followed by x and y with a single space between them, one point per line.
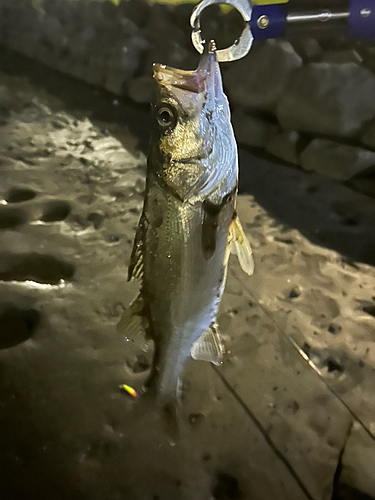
pixel 192 81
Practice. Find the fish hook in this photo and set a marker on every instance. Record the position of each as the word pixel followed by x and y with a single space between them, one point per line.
pixel 241 46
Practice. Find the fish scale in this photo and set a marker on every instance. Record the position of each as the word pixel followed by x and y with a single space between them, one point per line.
pixel 189 224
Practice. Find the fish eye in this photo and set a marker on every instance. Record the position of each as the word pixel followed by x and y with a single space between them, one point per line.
pixel 165 117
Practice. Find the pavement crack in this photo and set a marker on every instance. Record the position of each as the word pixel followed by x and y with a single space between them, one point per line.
pixel 264 433
pixel 306 358
pixel 336 477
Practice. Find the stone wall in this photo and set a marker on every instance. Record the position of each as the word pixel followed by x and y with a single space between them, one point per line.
pixel 306 102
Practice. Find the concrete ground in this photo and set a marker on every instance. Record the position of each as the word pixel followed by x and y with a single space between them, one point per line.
pixel 289 415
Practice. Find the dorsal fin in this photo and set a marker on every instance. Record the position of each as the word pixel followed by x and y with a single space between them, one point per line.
pixel 136 260
pixel 135 270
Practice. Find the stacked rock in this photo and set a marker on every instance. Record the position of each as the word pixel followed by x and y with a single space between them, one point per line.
pixel 308 103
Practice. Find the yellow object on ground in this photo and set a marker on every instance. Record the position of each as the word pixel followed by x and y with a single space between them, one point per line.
pixel 129 390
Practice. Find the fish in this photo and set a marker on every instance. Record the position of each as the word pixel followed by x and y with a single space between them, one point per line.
pixel 189 224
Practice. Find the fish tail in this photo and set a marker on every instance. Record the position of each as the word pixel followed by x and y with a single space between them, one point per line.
pixel 165 384
pixel 169 385
pixel 165 380
pixel 168 404
pixel 163 387
pixel 170 418
pixel 168 399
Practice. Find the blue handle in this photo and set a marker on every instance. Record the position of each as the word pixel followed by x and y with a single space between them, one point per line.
pixel 361 24
pixel 270 21
pixel 275 18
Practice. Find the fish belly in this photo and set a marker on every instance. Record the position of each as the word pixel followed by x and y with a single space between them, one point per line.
pixel 182 286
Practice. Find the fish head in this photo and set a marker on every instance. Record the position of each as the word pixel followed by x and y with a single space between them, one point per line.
pixel 193 146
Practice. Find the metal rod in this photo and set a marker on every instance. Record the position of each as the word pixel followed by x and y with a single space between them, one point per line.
pixel 323 16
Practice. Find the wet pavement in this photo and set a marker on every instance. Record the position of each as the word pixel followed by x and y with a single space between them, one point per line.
pixel 289 415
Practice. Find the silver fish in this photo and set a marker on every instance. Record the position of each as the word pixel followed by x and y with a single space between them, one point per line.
pixel 189 224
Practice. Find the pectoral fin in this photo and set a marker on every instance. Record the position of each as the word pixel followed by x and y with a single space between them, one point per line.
pixel 133 322
pixel 209 347
pixel 240 246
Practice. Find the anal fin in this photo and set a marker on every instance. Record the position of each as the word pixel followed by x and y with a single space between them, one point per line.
pixel 240 246
pixel 209 347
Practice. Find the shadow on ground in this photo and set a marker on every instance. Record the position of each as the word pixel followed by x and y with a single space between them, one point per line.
pixel 328 213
